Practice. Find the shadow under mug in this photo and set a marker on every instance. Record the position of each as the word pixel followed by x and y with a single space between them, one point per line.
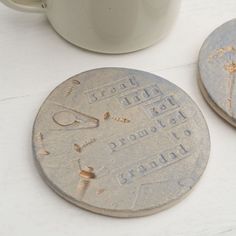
pixel 106 26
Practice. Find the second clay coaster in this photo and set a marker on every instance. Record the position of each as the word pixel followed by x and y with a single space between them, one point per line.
pixel 217 65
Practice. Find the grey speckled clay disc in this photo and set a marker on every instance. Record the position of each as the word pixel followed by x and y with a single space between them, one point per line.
pixel 120 142
pixel 217 63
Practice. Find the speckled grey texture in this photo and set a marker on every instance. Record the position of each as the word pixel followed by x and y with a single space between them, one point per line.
pixel 120 142
pixel 217 64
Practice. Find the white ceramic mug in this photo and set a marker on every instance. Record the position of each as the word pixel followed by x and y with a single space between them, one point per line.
pixel 107 26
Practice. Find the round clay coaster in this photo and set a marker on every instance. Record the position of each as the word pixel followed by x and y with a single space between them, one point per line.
pixel 120 142
pixel 217 64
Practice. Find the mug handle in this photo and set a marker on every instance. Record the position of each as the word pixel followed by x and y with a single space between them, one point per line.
pixel 31 6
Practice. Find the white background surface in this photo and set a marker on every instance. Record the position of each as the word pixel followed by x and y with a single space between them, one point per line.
pixel 34 59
